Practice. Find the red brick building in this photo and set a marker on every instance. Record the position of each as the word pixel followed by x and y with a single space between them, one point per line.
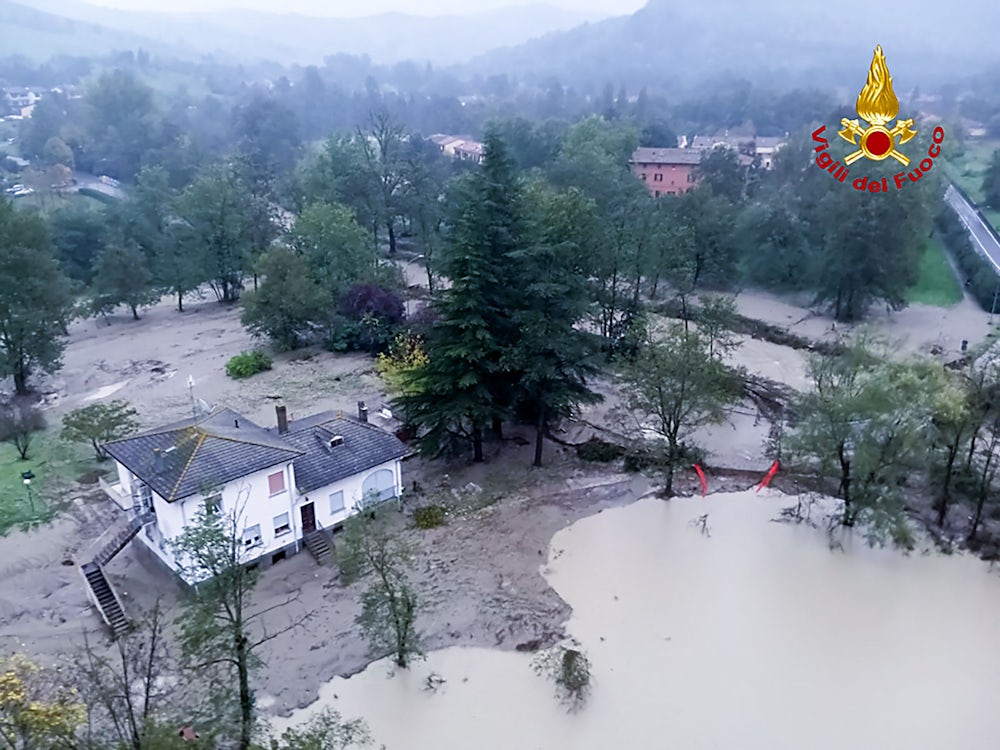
pixel 666 171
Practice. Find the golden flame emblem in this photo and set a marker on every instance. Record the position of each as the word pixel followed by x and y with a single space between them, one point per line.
pixel 877 104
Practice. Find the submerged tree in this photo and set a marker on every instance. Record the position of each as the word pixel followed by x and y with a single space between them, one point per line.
pixel 569 668
pixel 866 422
pixel 677 383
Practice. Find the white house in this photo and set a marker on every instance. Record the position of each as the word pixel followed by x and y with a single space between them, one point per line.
pixel 287 484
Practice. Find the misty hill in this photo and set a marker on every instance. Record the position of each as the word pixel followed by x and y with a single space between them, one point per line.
pixel 38 35
pixel 774 41
pixel 290 38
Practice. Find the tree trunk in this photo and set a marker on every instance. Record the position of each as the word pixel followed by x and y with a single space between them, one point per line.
pixel 845 488
pixel 180 301
pixel 477 444
pixel 497 427
pixel 539 432
pixel 984 491
pixel 392 237
pixel 945 500
pixel 135 312
pixel 246 697
pixel 21 381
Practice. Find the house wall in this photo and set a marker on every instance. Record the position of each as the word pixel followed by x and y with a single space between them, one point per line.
pixel 251 497
pixel 673 178
pixel 353 495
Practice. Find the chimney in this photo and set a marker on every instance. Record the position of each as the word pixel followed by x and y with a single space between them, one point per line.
pixel 158 463
pixel 282 412
pixel 362 412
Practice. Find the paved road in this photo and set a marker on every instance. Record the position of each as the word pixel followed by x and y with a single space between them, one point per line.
pixel 983 239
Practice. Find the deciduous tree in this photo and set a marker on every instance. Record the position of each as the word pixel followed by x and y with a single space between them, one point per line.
pixel 866 423
pixel 289 305
pixel 35 300
pixel 122 277
pixel 389 604
pixel 99 423
pixel 675 385
pixel 221 628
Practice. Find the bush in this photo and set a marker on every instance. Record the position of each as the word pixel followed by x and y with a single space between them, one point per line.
pixel 363 300
pixel 599 450
pixel 245 364
pixel 429 517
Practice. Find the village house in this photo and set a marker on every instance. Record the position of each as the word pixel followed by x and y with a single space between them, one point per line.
pixel 666 171
pixel 459 147
pixel 290 485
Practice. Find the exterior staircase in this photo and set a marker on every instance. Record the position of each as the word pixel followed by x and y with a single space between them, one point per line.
pixel 119 536
pixel 320 546
pixel 99 591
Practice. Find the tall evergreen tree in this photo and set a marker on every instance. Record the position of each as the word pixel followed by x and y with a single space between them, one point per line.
pixel 551 358
pixel 464 387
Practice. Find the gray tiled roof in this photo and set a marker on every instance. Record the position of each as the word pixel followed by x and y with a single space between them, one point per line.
pixel 365 446
pixel 666 156
pixel 199 454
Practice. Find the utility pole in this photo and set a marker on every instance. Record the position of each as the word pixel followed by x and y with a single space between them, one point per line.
pixel 194 405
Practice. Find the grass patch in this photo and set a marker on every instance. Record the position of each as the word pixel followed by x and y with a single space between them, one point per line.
pixel 936 285
pixel 56 466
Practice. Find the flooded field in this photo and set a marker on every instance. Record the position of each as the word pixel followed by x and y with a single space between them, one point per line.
pixel 755 636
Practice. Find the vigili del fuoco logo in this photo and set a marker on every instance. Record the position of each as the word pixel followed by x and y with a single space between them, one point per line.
pixel 877 105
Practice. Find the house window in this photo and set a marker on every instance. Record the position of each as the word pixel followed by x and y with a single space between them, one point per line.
pixel 336 502
pixel 213 505
pixel 643 176
pixel 281 525
pixel 251 536
pixel 276 483
pixel 379 486
pixel 658 177
pixel 657 194
pixel 691 177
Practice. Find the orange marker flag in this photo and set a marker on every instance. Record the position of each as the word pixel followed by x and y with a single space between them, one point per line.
pixel 770 475
pixel 701 476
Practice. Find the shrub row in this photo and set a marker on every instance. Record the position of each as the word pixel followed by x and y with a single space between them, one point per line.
pixel 978 274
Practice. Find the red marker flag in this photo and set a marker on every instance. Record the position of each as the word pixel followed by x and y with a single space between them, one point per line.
pixel 770 475
pixel 701 476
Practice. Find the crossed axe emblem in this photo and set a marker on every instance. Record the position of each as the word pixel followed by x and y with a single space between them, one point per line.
pixel 882 147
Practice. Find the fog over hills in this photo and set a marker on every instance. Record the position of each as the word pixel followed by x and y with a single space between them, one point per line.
pixel 673 42
pixel 287 38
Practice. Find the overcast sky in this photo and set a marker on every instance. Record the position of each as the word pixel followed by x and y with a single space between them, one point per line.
pixel 369 7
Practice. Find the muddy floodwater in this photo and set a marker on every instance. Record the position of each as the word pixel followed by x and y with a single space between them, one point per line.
pixel 757 636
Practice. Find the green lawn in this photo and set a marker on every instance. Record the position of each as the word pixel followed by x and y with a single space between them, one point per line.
pixel 47 201
pixel 936 284
pixel 55 464
pixel 967 170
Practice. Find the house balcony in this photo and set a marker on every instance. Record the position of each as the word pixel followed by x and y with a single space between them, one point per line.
pixel 119 496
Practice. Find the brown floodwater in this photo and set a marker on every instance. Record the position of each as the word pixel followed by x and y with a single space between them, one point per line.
pixel 755 637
